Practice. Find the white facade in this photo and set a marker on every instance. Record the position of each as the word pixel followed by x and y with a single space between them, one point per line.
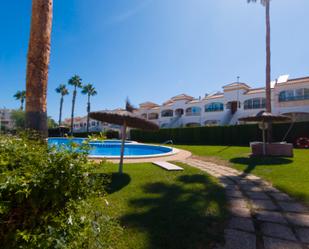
pixel 6 121
pixel 237 100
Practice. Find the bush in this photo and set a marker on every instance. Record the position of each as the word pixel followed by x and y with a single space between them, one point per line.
pixel 222 135
pixel 44 192
pixel 112 134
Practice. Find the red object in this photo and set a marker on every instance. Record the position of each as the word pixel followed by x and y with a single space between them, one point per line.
pixel 302 142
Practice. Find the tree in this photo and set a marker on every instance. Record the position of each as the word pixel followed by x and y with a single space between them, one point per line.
pixel 76 82
pixel 18 116
pixel 62 90
pixel 266 4
pixel 21 96
pixel 88 90
pixel 51 123
pixel 37 65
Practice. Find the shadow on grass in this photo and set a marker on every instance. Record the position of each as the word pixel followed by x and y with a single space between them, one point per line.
pixel 186 214
pixel 252 162
pixel 118 181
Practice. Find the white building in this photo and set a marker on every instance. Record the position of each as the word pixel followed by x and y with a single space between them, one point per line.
pixel 6 122
pixel 80 125
pixel 288 96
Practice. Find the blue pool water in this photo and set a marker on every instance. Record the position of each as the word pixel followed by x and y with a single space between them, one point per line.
pixel 111 148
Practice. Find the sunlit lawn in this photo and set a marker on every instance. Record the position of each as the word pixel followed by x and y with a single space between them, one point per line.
pixel 161 209
pixel 288 174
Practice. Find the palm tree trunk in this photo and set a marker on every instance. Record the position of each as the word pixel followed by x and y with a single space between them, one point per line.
pixel 73 106
pixel 22 104
pixel 88 110
pixel 268 69
pixel 60 111
pixel 37 65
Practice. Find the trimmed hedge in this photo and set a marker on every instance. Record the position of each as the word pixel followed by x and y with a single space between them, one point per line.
pixel 221 135
pixel 110 134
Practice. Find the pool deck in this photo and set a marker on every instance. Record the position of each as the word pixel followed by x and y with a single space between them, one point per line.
pixel 180 155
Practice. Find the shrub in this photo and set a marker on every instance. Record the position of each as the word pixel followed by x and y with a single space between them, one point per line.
pixel 44 191
pixel 111 134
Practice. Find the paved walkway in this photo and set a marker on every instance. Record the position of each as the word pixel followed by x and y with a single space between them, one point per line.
pixel 262 217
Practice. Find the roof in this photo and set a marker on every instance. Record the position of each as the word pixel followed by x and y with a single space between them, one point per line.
pixel 182 97
pixel 256 90
pixel 148 104
pixel 236 85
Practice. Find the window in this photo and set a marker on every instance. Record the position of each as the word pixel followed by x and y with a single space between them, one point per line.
pixel 214 107
pixel 256 103
pixel 144 115
pixel 152 116
pixel 193 111
pixel 296 94
pixel 167 113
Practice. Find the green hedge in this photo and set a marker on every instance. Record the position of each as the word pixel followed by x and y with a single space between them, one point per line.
pixel 221 135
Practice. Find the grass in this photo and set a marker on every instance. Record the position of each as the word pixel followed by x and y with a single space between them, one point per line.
pixel 290 175
pixel 161 209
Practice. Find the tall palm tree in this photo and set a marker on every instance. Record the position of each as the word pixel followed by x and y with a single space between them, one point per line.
pixel 21 96
pixel 62 90
pixel 37 65
pixel 88 90
pixel 266 4
pixel 76 82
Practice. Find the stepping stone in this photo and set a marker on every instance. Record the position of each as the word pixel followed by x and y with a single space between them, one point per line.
pixel 281 196
pixel 240 212
pixel 276 230
pixel 234 193
pixel 239 240
pixel 257 195
pixel 241 223
pixel 303 234
pixel 271 189
pixel 270 216
pixel 292 207
pixel 238 203
pixel 255 189
pixel 168 166
pixel 271 243
pixel 298 219
pixel 264 204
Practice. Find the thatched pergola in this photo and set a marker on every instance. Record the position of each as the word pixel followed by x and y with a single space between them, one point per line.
pixel 264 118
pixel 125 119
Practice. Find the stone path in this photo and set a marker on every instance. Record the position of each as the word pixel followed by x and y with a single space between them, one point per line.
pixel 262 217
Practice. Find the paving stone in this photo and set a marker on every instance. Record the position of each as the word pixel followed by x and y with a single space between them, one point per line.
pixel 239 240
pixel 257 195
pixel 234 193
pixel 264 204
pixel 281 196
pixel 254 189
pixel 292 207
pixel 276 230
pixel 298 219
pixel 271 189
pixel 231 187
pixel 270 216
pixel 245 224
pixel 240 212
pixel 271 243
pixel 238 203
pixel 303 234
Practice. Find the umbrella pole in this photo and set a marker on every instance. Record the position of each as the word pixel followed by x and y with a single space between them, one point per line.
pixel 123 138
pixel 264 145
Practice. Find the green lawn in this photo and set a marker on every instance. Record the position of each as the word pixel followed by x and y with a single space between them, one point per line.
pixel 161 209
pixel 291 175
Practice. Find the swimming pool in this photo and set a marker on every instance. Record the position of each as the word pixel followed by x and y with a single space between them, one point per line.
pixel 111 148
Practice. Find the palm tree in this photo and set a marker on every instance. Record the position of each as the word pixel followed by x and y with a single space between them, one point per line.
pixel 76 82
pixel 266 4
pixel 88 90
pixel 37 65
pixel 63 91
pixel 21 96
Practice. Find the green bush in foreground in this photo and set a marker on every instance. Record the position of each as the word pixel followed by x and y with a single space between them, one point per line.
pixel 48 198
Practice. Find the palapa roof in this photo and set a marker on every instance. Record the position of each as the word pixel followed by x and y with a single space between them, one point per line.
pixel 264 116
pixel 124 117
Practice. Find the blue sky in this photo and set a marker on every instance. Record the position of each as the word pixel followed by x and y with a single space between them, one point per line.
pixel 154 49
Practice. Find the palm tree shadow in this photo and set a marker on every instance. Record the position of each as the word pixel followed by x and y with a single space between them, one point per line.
pixel 253 162
pixel 185 214
pixel 118 181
